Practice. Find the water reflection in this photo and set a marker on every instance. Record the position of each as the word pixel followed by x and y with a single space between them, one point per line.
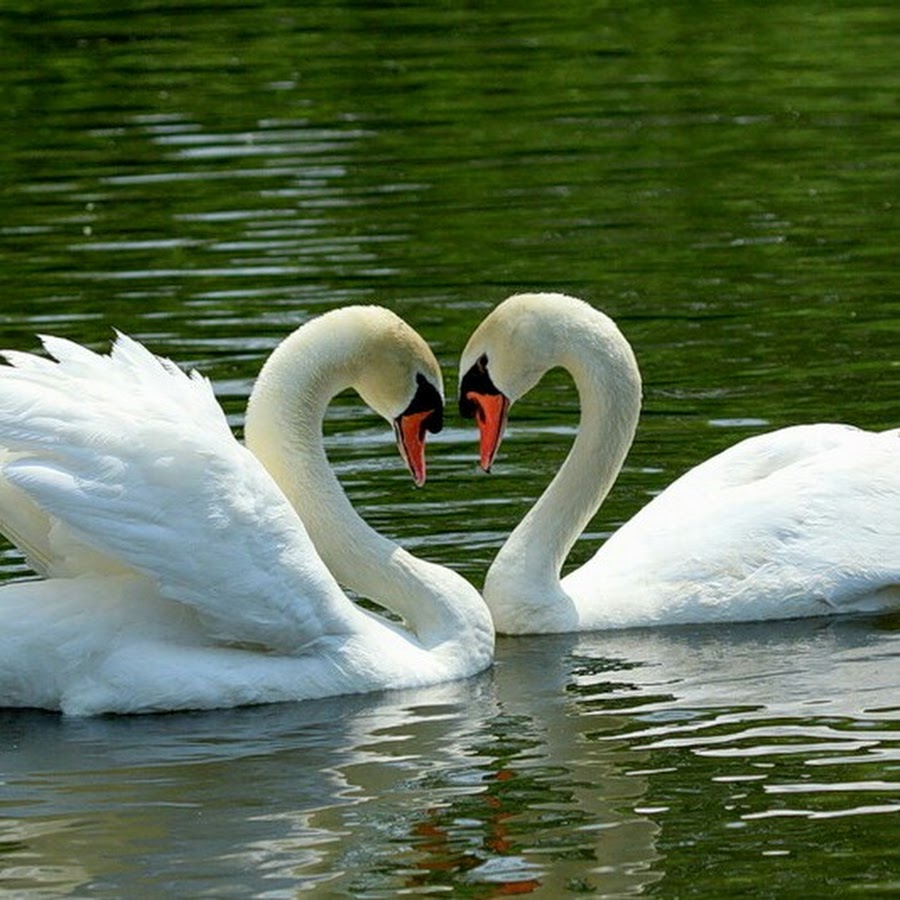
pixel 421 788
pixel 572 765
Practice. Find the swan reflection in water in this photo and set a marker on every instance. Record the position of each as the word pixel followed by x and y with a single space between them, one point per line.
pixel 572 762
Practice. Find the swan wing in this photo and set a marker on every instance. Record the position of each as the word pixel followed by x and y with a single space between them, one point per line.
pixel 750 461
pixel 50 547
pixel 802 521
pixel 132 460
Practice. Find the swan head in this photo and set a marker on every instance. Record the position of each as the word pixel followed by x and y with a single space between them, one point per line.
pixel 368 349
pixel 527 335
pixel 398 377
pixel 505 358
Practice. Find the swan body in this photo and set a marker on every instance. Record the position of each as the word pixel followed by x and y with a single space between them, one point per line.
pixel 804 521
pixel 183 571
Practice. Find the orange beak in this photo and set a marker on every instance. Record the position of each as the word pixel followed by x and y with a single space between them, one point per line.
pixel 410 430
pixel 490 414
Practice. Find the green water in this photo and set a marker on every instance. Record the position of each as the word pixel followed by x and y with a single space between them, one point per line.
pixel 722 179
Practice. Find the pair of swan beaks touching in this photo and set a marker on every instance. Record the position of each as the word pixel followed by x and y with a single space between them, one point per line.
pixel 184 570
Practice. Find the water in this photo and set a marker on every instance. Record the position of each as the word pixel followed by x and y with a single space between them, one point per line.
pixel 721 181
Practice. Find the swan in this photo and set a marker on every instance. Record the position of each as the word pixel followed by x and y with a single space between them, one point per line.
pixel 184 570
pixel 804 521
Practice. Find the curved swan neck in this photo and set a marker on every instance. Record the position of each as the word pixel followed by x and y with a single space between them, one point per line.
pixel 283 428
pixel 527 569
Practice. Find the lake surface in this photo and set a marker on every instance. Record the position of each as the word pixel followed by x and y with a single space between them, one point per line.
pixel 722 181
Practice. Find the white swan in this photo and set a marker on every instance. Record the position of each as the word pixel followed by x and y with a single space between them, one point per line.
pixel 178 573
pixel 804 521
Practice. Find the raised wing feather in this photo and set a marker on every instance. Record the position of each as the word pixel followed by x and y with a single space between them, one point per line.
pixel 135 458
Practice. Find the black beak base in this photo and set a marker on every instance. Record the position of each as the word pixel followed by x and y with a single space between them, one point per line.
pixel 476 381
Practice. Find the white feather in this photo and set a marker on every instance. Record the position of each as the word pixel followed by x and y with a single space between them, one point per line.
pixel 804 521
pixel 180 575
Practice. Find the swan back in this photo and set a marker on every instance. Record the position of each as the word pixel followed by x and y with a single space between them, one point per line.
pixel 803 521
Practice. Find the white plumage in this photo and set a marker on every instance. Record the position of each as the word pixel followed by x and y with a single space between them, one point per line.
pixel 177 572
pixel 804 521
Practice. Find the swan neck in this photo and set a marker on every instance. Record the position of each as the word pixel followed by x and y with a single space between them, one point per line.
pixel 284 429
pixel 523 584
